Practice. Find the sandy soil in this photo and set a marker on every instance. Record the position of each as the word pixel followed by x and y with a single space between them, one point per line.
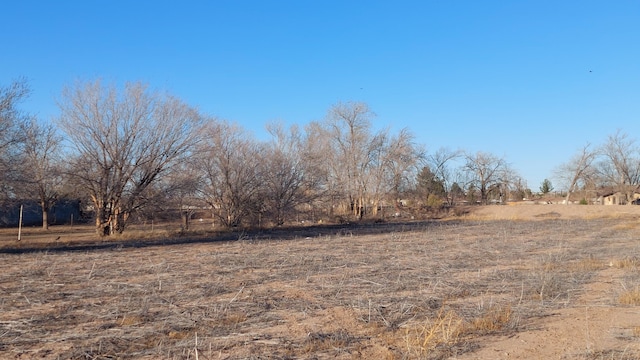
pixel 593 323
pixel 593 328
pixel 519 211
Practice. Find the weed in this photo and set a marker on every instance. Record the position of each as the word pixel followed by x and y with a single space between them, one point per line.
pixel 443 331
pixel 339 340
pixel 625 263
pixel 630 297
pixel 588 264
pixel 496 319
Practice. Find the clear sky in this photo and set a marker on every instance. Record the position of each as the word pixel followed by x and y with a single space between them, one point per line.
pixel 531 81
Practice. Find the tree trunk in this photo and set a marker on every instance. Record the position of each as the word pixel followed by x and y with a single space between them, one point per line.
pixel 45 217
pixel 102 225
pixel 186 216
pixel 118 221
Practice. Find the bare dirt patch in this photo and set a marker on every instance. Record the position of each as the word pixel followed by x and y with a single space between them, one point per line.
pixel 518 211
pixel 468 289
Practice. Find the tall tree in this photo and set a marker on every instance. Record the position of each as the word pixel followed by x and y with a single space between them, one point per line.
pixel 440 163
pixel 579 170
pixel 285 184
pixel 428 184
pixel 361 166
pixel 348 127
pixel 12 119
pixel 323 187
pixel 546 187
pixel 399 165
pixel 487 172
pixel 41 166
pixel 621 167
pixel 124 141
pixel 229 162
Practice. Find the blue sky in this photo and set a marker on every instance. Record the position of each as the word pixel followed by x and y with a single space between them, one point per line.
pixel 531 81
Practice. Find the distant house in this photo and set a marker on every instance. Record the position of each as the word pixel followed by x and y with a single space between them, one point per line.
pixel 619 198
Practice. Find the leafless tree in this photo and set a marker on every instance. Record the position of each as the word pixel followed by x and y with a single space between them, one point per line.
pixel 621 165
pixel 393 166
pixel 321 186
pixel 229 161
pixel 124 141
pixel 361 166
pixel 348 128
pixel 12 119
pixel 441 163
pixel 579 170
pixel 175 195
pixel 285 182
pixel 318 171
pixel 41 166
pixel 487 172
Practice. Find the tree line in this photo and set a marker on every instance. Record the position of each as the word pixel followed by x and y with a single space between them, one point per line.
pixel 611 167
pixel 130 152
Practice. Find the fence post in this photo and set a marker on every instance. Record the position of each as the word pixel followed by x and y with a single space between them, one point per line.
pixel 20 224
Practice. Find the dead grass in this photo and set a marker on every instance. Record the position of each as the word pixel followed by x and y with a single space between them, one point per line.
pixel 438 334
pixel 630 297
pixel 408 291
pixel 630 263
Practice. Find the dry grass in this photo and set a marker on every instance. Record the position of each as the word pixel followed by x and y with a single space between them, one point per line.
pixel 626 263
pixel 408 291
pixel 630 297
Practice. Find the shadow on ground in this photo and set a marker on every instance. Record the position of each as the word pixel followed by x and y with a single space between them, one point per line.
pixel 285 233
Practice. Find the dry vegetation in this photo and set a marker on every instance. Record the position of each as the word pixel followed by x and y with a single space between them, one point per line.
pixel 427 290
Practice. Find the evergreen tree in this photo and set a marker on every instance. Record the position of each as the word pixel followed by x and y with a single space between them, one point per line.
pixel 546 187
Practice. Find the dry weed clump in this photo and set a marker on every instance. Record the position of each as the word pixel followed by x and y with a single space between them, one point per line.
pixel 629 263
pixel 630 297
pixel 434 336
pixel 449 332
pixel 496 319
pixel 588 264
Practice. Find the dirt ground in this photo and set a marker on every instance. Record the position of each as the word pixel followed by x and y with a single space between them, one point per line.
pixel 501 282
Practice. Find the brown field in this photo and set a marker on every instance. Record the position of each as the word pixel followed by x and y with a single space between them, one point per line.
pixel 501 282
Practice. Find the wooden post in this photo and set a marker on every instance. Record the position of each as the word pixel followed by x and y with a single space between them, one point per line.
pixel 20 224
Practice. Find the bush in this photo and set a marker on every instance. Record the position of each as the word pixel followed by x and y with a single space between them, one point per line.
pixel 434 201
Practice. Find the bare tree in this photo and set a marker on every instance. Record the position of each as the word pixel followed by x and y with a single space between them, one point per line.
pixel 229 161
pixel 322 186
pixel 41 166
pixel 440 164
pixel 361 167
pixel 124 142
pixel 393 166
pixel 285 185
pixel 174 195
pixel 348 127
pixel 11 121
pixel 487 172
pixel 621 167
pixel 376 171
pixel 579 170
